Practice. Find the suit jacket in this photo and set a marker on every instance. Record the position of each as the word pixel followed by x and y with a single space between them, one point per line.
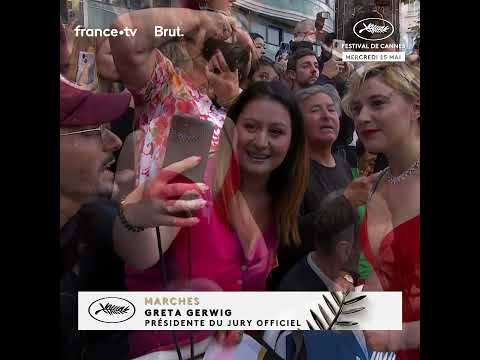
pixel 328 345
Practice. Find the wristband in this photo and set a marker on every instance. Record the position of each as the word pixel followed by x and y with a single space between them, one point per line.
pixel 126 224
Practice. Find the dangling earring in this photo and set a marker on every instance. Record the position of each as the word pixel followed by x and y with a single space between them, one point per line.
pixel 202 4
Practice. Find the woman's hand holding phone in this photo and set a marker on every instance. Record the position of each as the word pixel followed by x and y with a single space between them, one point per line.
pixel 156 203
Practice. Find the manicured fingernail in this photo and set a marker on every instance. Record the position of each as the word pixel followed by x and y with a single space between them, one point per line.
pixel 204 187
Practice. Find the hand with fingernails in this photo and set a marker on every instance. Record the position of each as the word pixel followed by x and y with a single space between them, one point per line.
pixel 159 203
pixel 229 337
pixel 358 191
pixel 223 81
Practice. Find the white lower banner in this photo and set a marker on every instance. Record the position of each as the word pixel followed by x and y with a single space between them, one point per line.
pixel 239 310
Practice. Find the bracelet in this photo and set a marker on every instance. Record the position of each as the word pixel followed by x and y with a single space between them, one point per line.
pixel 126 224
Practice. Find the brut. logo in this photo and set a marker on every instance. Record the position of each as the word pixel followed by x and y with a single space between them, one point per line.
pixel 111 310
pixel 373 26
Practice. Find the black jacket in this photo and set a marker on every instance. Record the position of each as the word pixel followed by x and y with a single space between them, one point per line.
pixel 86 245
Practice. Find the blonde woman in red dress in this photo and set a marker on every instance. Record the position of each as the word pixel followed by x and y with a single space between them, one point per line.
pixel 384 101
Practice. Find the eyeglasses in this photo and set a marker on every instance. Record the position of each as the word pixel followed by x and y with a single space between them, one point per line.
pixel 102 129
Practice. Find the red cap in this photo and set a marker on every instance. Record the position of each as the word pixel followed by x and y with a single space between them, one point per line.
pixel 82 107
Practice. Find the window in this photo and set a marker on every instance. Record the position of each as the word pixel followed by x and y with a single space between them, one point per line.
pixel 413 7
pixel 273 35
pixel 259 29
pixel 287 37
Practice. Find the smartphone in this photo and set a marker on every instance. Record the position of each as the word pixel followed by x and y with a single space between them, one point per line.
pixel 188 136
pixel 337 48
pixel 84 59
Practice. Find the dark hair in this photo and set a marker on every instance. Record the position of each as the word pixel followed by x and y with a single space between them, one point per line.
pixel 297 45
pixel 329 37
pixel 264 61
pixel 416 46
pixel 255 36
pixel 360 148
pixel 326 241
pixel 288 182
pixel 297 55
pixel 280 53
pixel 235 55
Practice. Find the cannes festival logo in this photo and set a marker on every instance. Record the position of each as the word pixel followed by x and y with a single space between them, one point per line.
pixel 111 310
pixel 373 26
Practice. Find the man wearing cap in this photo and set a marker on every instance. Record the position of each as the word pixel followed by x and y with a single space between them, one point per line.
pixel 88 261
pixel 91 225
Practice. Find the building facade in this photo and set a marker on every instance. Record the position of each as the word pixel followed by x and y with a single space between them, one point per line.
pixel 276 19
pixel 409 22
pixel 273 19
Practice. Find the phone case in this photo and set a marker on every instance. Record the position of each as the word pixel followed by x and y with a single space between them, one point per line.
pixel 188 136
pixel 85 58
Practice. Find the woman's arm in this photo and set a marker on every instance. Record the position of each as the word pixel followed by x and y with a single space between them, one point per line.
pixel 104 60
pixel 149 206
pixel 134 55
pixel 335 214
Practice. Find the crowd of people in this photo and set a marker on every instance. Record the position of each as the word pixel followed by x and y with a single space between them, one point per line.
pixel 287 200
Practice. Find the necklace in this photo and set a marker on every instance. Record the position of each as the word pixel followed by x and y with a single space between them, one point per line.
pixel 412 170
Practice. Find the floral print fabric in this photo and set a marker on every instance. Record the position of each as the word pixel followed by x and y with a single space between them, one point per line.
pixel 169 91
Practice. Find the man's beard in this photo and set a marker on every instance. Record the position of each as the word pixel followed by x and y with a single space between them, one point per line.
pixel 307 83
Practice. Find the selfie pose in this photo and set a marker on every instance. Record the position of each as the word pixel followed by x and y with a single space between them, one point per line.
pixel 384 101
pixel 256 180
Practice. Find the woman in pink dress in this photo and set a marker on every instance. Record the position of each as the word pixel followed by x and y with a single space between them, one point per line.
pixel 384 101
pixel 257 181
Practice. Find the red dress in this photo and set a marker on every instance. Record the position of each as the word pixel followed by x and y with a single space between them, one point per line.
pixel 398 268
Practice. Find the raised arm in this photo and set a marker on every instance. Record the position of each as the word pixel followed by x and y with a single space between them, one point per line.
pixel 133 55
pixel 104 60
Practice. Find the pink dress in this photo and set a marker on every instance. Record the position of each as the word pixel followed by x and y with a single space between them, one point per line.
pixel 398 268
pixel 218 257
